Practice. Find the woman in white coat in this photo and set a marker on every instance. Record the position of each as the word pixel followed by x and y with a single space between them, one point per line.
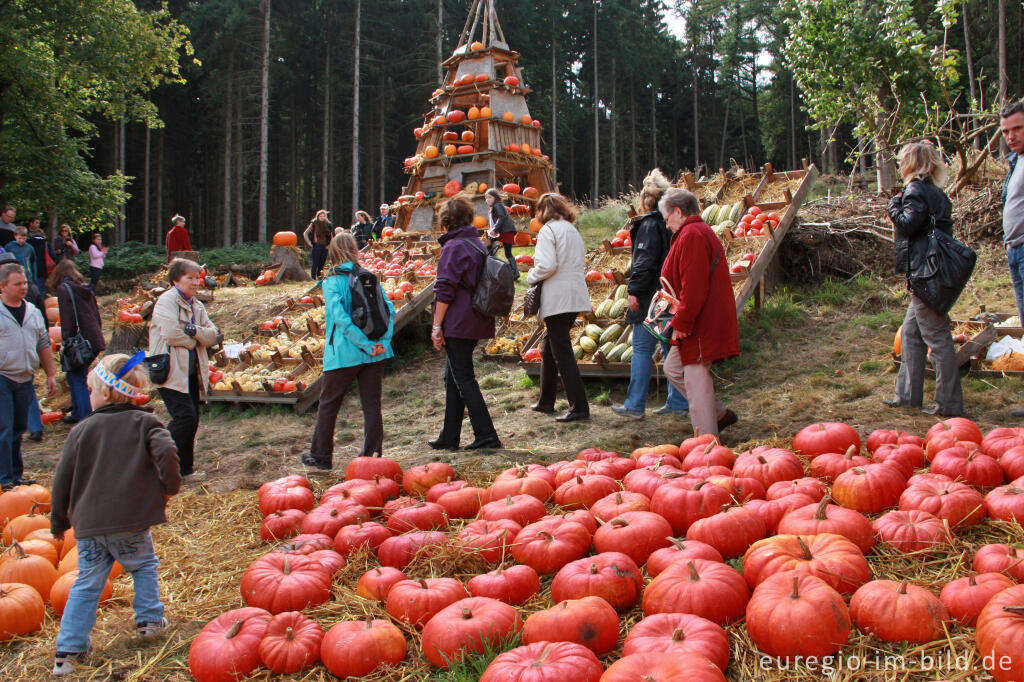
pixel 559 262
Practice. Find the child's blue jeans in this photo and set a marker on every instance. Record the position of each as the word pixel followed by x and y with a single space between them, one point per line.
pixel 96 555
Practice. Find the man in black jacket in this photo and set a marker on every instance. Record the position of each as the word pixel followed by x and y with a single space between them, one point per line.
pixel 385 219
pixel 651 240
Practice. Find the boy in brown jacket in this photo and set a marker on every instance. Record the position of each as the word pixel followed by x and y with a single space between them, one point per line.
pixel 118 467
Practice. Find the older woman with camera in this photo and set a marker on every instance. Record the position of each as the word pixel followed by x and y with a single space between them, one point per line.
pixel 704 328
pixel 458 327
pixel 181 330
pixel 914 211
pixel 559 262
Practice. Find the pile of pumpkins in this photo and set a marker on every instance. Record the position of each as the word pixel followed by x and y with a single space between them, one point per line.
pixel 661 529
pixel 36 569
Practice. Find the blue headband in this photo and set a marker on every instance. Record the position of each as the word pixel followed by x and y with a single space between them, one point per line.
pixel 115 382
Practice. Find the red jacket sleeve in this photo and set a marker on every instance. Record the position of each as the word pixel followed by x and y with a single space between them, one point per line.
pixel 693 272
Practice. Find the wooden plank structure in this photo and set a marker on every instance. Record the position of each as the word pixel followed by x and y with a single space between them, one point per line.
pixel 748 282
pixel 483 74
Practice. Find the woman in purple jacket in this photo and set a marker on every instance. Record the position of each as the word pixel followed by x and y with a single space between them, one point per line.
pixel 458 327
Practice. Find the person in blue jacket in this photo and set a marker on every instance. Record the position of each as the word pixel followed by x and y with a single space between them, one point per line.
pixel 348 355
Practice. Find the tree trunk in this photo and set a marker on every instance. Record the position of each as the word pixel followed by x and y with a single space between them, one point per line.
pixel 158 223
pixel 326 132
pixel 440 46
pixel 239 174
pixel 634 178
pixel 228 108
pixel 145 191
pixel 725 130
pixel 597 128
pixel 696 115
pixel 121 163
pixel 743 122
pixel 380 168
pixel 1004 76
pixel 613 121
pixel 554 114
pixel 970 71
pixel 261 231
pixel 654 126
pixel 293 169
pixel 792 122
pixel 883 156
pixel 355 116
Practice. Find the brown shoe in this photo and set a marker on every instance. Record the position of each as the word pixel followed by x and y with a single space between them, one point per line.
pixel 727 419
pixel 1019 412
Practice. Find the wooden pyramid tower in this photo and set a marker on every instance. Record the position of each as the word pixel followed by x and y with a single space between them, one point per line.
pixel 478 133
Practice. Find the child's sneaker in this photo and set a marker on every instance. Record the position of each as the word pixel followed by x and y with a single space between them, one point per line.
pixel 65 663
pixel 147 630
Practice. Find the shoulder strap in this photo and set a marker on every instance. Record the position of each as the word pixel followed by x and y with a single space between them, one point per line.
pixel 71 294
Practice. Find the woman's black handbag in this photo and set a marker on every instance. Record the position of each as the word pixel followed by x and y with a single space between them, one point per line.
pixel 77 353
pixel 531 301
pixel 943 272
pixel 159 367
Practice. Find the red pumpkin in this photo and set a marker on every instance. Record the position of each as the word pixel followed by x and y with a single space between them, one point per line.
pixel 712 454
pixel 619 502
pixel 870 488
pixel 961 427
pixel 511 81
pixel 911 531
pixel 291 643
pixel 771 512
pixel 468 627
pixel 1012 462
pixel 830 518
pixel 768 466
pixel 681 504
pixel 514 585
pixel 545 662
pixel 491 539
pixel 880 437
pixel 907 456
pixel 418 480
pixel 613 576
pixel 589 621
pixel 548 545
pixel 809 486
pixel 999 558
pixel 275 496
pixel 377 582
pixel 898 612
pixel 281 582
pixel 329 518
pixel 285 239
pixel 523 509
pixel 534 470
pixel 829 465
pixel 680 550
pixel 830 557
pixel 367 534
pixel 662 667
pixel 510 188
pixel 1000 635
pixel 709 589
pixel 819 617
pixel 964 598
pixel 1006 503
pixel 580 516
pixel 731 532
pixel 818 439
pixel 227 648
pixel 420 516
pixel 582 492
pixel 399 550
pixel 958 504
pixel 452 187
pixel 635 534
pixel 997 441
pixel 416 601
pixel 281 525
pixel 356 648
pixel 305 544
pixel 371 467
pixel 681 634
pixel 969 466
pixel 463 503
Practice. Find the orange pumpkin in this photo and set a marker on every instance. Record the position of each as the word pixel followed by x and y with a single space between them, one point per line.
pixel 482 77
pixel 438 121
pixel 38 493
pixel 525 148
pixel 55 336
pixel 285 238
pixel 452 188
pixel 14 503
pixel 62 588
pixel 485 112
pixel 535 225
pixel 508 116
pixel 511 81
pixel 481 188
pixel 70 541
pixel 522 239
pixel 476 46
pixel 449 150
pixel 430 152
pixel 479 222
pixel 450 136
pixel 514 148
pixel 50 302
pixel 510 188
pixel 468 136
pixel 20 526
pixel 30 569
pixel 53 316
pixel 525 119
pixel 21 610
pixel 473 114
pixel 536 151
pixel 456 116
pixel 897 342
pixel 530 192
pixel 42 548
pixel 465 149
pixel 47 536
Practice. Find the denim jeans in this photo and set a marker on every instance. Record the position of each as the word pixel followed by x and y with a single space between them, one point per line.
pixel 96 555
pixel 35 414
pixel 80 405
pixel 15 403
pixel 644 345
pixel 1015 259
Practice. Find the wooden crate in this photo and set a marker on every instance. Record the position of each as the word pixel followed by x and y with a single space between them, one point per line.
pixel 594 366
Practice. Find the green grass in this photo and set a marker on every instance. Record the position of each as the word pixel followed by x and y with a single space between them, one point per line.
pixel 885 319
pixel 471 668
pixel 132 259
pixel 596 225
pixel 524 380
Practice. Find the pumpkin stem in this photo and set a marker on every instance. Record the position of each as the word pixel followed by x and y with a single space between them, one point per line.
pixel 288 633
pixel 710 447
pixel 466 614
pixel 694 575
pixel 233 630
pixel 795 594
pixel 423 584
pixel 678 635
pixel 679 543
pixel 850 452
pixel 32 511
pixel 369 621
pixel 508 501
pixel 761 459
pixel 971 581
pixel 819 514
pixel 821 426
pixel 619 523
pixel 903 588
pixel 20 552
pixel 579 481
pixel 618 498
pixel 287 566
pixel 1016 610
pixel 593 569
pixel 807 556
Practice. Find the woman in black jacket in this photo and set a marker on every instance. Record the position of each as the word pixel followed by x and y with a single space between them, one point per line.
pixel 500 225
pixel 75 296
pixel 921 206
pixel 651 239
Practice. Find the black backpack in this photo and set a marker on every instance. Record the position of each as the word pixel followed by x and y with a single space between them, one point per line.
pixel 369 311
pixel 496 287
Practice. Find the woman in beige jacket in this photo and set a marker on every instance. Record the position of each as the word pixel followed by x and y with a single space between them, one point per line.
pixel 559 262
pixel 181 328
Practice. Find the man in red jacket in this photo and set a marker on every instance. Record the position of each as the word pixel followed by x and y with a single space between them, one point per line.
pixel 704 328
pixel 177 237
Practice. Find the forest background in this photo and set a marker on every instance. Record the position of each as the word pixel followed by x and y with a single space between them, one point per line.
pixel 246 116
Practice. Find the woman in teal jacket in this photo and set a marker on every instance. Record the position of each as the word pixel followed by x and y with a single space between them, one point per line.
pixel 348 356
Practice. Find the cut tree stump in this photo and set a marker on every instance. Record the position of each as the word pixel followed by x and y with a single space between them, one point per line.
pixel 289 266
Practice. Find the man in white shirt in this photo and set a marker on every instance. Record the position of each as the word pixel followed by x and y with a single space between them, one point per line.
pixel 1012 125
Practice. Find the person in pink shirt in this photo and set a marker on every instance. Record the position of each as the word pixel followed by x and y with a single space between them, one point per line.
pixel 97 254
